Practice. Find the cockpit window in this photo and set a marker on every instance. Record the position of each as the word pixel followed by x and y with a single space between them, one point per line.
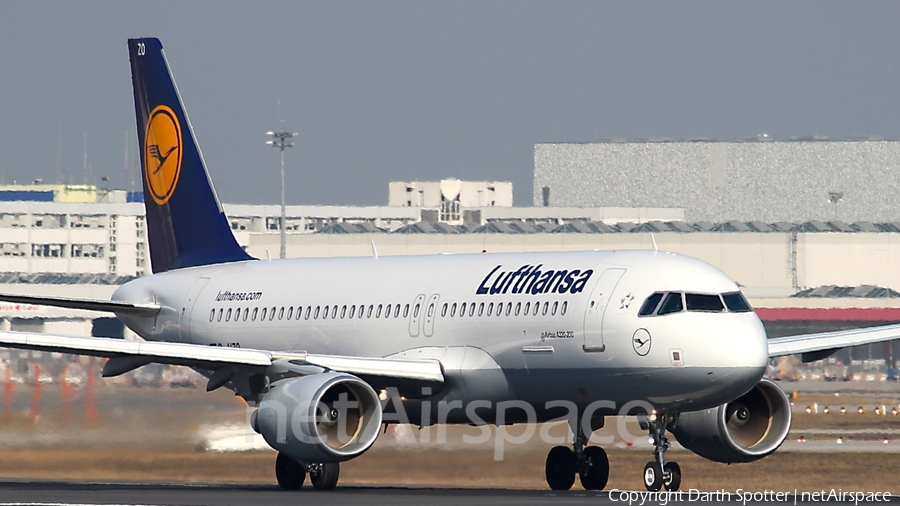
pixel 704 302
pixel 736 302
pixel 649 305
pixel 672 304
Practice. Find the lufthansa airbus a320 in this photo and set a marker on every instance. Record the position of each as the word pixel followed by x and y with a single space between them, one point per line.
pixel 327 350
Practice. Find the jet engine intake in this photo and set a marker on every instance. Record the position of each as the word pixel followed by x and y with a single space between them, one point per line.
pixel 744 430
pixel 321 418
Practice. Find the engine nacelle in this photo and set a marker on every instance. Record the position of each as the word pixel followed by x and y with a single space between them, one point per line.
pixel 322 418
pixel 744 430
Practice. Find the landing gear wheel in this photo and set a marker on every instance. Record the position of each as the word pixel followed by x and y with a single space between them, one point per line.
pixel 561 468
pixel 596 474
pixel 653 476
pixel 672 476
pixel 289 473
pixel 325 476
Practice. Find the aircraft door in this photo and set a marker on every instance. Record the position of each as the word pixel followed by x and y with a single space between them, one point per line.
pixel 415 315
pixel 187 308
pixel 596 309
pixel 431 314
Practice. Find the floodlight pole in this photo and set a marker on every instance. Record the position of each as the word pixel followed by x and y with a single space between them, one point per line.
pixel 282 140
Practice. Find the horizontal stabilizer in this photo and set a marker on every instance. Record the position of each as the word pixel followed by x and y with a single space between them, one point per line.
pixel 108 306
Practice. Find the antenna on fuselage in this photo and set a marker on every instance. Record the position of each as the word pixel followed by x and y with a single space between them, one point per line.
pixel 655 247
pixel 374 250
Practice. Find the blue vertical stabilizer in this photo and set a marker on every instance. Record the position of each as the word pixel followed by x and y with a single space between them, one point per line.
pixel 186 225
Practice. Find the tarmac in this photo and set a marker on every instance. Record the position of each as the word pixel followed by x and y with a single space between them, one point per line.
pixel 59 493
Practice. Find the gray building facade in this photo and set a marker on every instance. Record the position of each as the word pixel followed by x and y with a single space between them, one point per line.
pixel 715 181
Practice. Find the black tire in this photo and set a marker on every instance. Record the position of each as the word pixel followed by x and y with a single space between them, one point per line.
pixel 596 475
pixel 653 476
pixel 672 476
pixel 326 476
pixel 289 473
pixel 561 468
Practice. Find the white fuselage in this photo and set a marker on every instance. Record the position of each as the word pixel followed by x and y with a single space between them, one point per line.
pixel 501 324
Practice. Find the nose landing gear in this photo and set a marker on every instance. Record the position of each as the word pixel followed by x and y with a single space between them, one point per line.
pixel 591 464
pixel 659 473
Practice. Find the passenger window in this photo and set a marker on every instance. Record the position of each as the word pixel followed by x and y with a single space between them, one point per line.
pixel 671 304
pixel 431 310
pixel 462 309
pixel 406 311
pixel 272 313
pixel 212 314
pixel 343 312
pixel 397 310
pixel 352 311
pixel 453 309
pixel 555 305
pixel 246 313
pixel 220 316
pixel 416 310
pixel 263 317
pixel 362 309
pixel 527 308
pixel 481 309
pixel 255 310
pixel 565 306
pixel 369 312
pixel 704 302
pixel 490 308
pixel 325 312
pixel 546 308
pixel 308 310
pixel 237 314
pixel 316 316
pixel 443 309
pixel 281 313
pixel 537 306
pixel 290 312
pixel 736 302
pixel 378 311
pixel 387 311
pixel 508 308
pixel 649 305
pixel 471 309
pixel 228 315
pixel 518 308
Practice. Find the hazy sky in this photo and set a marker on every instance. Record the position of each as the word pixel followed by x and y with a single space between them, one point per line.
pixel 384 90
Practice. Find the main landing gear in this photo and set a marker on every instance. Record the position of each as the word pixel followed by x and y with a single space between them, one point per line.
pixel 291 474
pixel 591 465
pixel 659 473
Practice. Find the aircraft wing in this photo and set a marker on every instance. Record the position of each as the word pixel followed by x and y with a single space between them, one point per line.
pixel 111 306
pixel 125 356
pixel 821 345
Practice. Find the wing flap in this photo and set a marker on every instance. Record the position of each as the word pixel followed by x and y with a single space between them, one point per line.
pixel 806 343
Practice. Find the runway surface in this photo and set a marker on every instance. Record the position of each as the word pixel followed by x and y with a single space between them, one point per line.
pixel 40 492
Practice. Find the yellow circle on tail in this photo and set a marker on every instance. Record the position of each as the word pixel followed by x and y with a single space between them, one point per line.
pixel 162 153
